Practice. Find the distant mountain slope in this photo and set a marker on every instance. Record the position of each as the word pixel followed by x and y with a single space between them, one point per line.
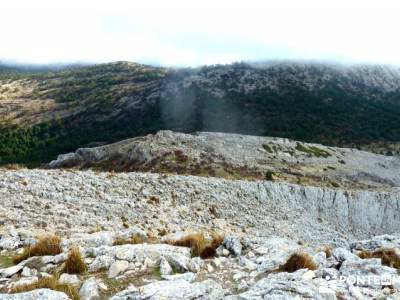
pixel 46 112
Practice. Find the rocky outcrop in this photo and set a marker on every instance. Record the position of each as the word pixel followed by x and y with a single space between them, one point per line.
pixel 240 156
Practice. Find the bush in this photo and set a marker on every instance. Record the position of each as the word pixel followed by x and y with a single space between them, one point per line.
pixel 388 256
pixel 51 283
pixel 46 245
pixel 199 245
pixel 75 263
pixel 136 239
pixel 298 261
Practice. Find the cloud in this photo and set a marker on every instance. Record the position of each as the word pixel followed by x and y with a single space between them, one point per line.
pixel 191 33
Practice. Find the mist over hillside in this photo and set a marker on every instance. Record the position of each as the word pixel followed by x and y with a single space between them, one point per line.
pixel 45 111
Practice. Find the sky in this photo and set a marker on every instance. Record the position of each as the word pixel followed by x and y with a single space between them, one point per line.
pixel 192 33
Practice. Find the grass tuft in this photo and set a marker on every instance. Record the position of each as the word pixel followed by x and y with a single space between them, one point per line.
pixel 199 245
pixel 136 239
pixel 75 263
pixel 51 283
pixel 48 244
pixel 388 256
pixel 298 261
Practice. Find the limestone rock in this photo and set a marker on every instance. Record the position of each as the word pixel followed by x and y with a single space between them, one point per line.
pixel 117 268
pixel 233 245
pixel 174 290
pixel 42 294
pixel 69 279
pixel 89 290
pixel 165 268
pixel 10 271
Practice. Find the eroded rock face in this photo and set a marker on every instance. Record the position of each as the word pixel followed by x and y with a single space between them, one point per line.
pixel 328 215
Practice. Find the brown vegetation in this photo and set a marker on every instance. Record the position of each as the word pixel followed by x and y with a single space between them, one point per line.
pixel 48 244
pixel 298 261
pixel 75 263
pixel 51 283
pixel 136 239
pixel 199 244
pixel 388 256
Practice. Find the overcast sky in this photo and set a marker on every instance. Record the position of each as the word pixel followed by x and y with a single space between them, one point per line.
pixel 172 32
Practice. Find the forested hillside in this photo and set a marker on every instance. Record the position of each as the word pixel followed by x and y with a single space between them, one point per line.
pixel 48 111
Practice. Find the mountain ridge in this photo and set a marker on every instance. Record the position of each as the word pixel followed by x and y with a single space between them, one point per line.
pixel 52 112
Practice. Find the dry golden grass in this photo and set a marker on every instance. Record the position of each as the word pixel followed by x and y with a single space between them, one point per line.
pixel 298 261
pixel 199 245
pixel 133 240
pixel 48 244
pixel 388 256
pixel 327 250
pixel 75 263
pixel 51 283
pixel 14 167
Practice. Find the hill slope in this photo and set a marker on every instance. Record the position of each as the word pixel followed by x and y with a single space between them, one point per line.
pixel 240 157
pixel 47 112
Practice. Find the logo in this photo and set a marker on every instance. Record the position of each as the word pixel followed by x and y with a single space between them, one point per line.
pixel 332 283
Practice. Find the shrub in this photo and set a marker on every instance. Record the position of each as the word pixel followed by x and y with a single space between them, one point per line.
pixel 46 245
pixel 195 241
pixel 154 200
pixel 136 239
pixel 51 283
pixel 388 256
pixel 269 175
pixel 180 157
pixel 267 148
pixel 75 263
pixel 199 245
pixel 298 261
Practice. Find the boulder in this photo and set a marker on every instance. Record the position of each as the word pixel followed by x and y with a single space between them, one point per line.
pixel 117 268
pixel 165 268
pixel 42 294
pixel 71 279
pixel 281 286
pixel 233 244
pixel 89 290
pixel 86 240
pixel 342 254
pixel 173 290
pixel 10 271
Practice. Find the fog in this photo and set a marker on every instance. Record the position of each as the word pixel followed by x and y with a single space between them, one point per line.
pixel 188 33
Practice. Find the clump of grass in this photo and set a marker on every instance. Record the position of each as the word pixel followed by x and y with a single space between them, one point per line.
pixel 298 261
pixel 180 157
pixel 136 239
pixel 75 263
pixel 51 283
pixel 269 175
pixel 328 251
pixel 195 241
pixel 388 256
pixel 5 261
pixel 267 148
pixel 312 150
pixel 199 244
pixel 154 200
pixel 48 244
